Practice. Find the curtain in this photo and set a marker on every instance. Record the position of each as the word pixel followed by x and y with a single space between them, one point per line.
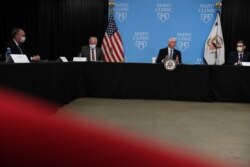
pixel 60 27
pixel 235 23
pixel 54 27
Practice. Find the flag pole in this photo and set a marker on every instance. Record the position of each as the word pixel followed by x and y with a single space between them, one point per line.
pixel 218 6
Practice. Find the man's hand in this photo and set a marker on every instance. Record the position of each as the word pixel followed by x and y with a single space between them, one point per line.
pixel 177 60
pixel 35 58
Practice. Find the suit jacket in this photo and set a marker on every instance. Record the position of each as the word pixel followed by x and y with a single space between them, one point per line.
pixel 85 52
pixel 14 49
pixel 233 57
pixel 164 52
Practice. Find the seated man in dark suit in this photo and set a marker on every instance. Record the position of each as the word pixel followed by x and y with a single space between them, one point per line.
pixel 15 44
pixel 169 52
pixel 236 57
pixel 91 51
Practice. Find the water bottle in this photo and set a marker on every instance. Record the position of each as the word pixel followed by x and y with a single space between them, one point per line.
pixel 7 54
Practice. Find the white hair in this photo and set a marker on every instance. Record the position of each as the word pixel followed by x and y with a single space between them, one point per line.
pixel 171 39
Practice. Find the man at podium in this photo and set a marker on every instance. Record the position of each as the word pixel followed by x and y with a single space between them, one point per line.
pixel 169 52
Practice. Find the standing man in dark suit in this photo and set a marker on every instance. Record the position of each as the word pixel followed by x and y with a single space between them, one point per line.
pixel 92 52
pixel 169 52
pixel 16 44
pixel 236 57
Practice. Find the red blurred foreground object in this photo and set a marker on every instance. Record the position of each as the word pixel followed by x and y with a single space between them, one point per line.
pixel 29 136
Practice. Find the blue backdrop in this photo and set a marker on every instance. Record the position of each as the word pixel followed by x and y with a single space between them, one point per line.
pixel 146 25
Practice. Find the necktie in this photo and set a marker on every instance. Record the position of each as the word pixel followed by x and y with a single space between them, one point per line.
pixel 92 55
pixel 18 46
pixel 241 57
pixel 171 53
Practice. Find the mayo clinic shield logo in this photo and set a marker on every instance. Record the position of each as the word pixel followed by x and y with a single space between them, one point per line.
pixel 163 17
pixel 121 16
pixel 205 17
pixel 141 44
pixel 121 11
pixel 141 40
pixel 207 12
pixel 183 40
pixel 183 45
pixel 163 11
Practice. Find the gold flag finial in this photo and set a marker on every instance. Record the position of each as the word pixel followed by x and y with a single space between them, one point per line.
pixel 111 3
pixel 111 6
pixel 218 5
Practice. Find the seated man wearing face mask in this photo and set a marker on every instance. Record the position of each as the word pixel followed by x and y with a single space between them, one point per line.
pixel 236 57
pixel 91 51
pixel 16 44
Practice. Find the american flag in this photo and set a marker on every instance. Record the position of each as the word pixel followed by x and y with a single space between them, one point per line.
pixel 112 43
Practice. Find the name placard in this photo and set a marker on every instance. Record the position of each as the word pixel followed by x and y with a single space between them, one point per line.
pixel 19 58
pixel 63 59
pixel 245 63
pixel 80 59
